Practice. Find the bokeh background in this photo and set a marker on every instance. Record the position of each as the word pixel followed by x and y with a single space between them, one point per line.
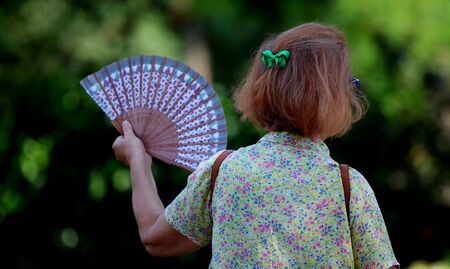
pixel 65 201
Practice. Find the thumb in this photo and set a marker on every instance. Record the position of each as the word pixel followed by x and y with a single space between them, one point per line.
pixel 127 129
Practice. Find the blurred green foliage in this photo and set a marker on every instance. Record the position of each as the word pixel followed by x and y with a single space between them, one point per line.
pixel 65 201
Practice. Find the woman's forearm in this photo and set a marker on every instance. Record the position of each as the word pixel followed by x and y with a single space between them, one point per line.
pixel 147 205
pixel 157 235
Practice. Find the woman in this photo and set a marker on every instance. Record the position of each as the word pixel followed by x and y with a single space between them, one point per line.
pixel 278 203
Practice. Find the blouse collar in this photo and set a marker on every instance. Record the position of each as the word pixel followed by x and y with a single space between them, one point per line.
pixel 295 140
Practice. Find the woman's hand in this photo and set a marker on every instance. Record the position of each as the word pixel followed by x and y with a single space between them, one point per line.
pixel 129 148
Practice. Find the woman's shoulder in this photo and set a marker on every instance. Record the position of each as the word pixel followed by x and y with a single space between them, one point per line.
pixel 208 163
pixel 241 152
pixel 358 183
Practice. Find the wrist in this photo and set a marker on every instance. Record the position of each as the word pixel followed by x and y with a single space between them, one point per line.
pixel 141 159
pixel 141 171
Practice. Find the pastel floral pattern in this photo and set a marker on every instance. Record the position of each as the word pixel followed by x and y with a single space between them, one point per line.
pixel 279 204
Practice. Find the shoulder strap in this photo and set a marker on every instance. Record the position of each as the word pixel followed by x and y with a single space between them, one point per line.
pixel 215 171
pixel 346 185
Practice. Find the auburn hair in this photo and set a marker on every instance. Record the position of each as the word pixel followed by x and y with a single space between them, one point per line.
pixel 313 95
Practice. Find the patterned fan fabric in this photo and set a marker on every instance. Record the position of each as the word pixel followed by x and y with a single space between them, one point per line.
pixel 171 107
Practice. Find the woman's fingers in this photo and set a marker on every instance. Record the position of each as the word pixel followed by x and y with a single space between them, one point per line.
pixel 127 129
pixel 128 146
pixel 116 145
pixel 117 142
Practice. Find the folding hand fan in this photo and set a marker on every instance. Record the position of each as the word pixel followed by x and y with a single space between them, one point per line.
pixel 172 108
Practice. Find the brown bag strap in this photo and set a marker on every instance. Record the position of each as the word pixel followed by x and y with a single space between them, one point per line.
pixel 215 171
pixel 346 185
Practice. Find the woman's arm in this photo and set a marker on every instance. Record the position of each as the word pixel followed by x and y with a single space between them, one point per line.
pixel 157 235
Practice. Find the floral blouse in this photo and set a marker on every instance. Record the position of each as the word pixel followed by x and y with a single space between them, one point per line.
pixel 280 204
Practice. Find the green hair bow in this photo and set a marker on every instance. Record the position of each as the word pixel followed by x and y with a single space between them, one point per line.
pixel 280 59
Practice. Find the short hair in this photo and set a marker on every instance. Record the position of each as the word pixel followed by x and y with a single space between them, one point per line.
pixel 313 95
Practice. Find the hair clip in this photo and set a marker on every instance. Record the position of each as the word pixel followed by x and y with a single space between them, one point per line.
pixel 355 82
pixel 280 59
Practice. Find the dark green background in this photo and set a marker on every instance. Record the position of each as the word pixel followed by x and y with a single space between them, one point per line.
pixel 64 199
